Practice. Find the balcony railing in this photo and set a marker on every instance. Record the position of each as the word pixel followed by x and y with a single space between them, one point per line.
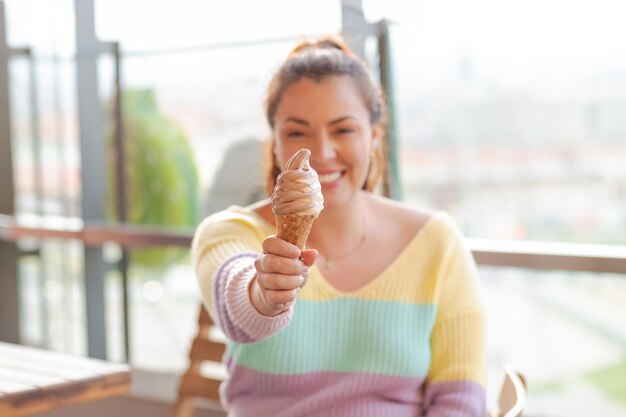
pixel 523 254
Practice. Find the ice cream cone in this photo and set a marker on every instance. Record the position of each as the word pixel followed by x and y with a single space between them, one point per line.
pixel 297 199
pixel 294 228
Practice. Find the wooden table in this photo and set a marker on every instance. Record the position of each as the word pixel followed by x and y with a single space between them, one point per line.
pixel 34 380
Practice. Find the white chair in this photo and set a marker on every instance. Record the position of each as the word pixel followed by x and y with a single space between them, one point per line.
pixel 512 397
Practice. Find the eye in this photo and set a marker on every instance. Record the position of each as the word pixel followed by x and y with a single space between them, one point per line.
pixel 294 134
pixel 344 131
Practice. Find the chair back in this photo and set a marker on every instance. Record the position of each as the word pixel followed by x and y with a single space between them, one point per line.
pixel 512 398
pixel 192 385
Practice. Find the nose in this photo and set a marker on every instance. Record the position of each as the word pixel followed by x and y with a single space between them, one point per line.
pixel 323 148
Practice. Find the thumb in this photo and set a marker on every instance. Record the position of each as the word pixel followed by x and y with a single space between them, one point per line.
pixel 309 256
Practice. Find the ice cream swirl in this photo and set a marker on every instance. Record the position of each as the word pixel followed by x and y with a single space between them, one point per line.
pixel 298 189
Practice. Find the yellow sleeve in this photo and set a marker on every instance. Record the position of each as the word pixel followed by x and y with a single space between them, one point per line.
pixel 217 239
pixel 457 340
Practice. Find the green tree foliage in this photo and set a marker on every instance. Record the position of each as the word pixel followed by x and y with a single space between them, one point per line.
pixel 161 174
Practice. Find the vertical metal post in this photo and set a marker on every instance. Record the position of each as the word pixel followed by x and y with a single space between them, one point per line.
pixel 6 166
pixel 392 176
pixel 9 307
pixel 93 169
pixel 35 144
pixel 356 30
pixel 354 27
pixel 9 293
pixel 120 192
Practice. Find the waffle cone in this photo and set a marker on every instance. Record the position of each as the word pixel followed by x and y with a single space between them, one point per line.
pixel 294 228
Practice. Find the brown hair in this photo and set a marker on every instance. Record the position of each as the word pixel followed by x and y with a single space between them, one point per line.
pixel 327 56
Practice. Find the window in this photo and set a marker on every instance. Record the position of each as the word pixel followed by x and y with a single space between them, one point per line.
pixel 510 114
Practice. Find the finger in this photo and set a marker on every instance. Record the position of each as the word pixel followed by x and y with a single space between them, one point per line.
pixel 305 279
pixel 309 256
pixel 276 246
pixel 277 298
pixel 279 281
pixel 275 264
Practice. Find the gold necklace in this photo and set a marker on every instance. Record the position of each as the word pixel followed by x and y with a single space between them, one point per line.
pixel 330 261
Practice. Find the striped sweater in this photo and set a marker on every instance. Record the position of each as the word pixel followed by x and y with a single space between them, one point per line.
pixel 409 343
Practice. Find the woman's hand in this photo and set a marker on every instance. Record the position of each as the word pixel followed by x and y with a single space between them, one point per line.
pixel 281 272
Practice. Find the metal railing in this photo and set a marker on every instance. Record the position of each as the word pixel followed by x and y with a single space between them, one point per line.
pixel 505 253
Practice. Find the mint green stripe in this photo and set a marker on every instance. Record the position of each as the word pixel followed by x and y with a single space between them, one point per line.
pixel 346 335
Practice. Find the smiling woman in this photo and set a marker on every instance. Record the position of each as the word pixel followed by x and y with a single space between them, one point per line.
pixel 390 322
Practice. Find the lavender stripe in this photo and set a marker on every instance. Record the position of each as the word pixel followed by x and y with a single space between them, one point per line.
pixel 455 399
pixel 343 394
pixel 232 331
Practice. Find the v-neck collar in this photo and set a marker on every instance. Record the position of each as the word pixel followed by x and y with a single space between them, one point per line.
pixel 387 271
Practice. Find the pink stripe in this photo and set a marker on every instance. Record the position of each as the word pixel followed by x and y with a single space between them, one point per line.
pixel 254 393
pixel 455 399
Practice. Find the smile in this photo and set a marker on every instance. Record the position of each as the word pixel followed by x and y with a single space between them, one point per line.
pixel 330 177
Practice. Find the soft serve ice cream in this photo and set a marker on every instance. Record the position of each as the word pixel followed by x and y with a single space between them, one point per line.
pixel 297 199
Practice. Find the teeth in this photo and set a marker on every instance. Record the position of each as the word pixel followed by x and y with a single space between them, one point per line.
pixel 330 177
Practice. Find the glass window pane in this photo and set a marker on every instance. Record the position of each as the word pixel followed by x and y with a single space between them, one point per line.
pixel 46 169
pixel 203 86
pixel 164 308
pixel 52 302
pixel 565 332
pixel 47 26
pixel 193 23
pixel 510 115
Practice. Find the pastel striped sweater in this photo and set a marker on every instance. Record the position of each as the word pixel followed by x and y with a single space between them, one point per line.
pixel 409 343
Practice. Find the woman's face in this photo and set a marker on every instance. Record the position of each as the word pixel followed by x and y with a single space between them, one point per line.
pixel 331 120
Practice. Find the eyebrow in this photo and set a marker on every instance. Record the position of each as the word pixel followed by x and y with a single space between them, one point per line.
pixel 296 120
pixel 305 123
pixel 341 119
